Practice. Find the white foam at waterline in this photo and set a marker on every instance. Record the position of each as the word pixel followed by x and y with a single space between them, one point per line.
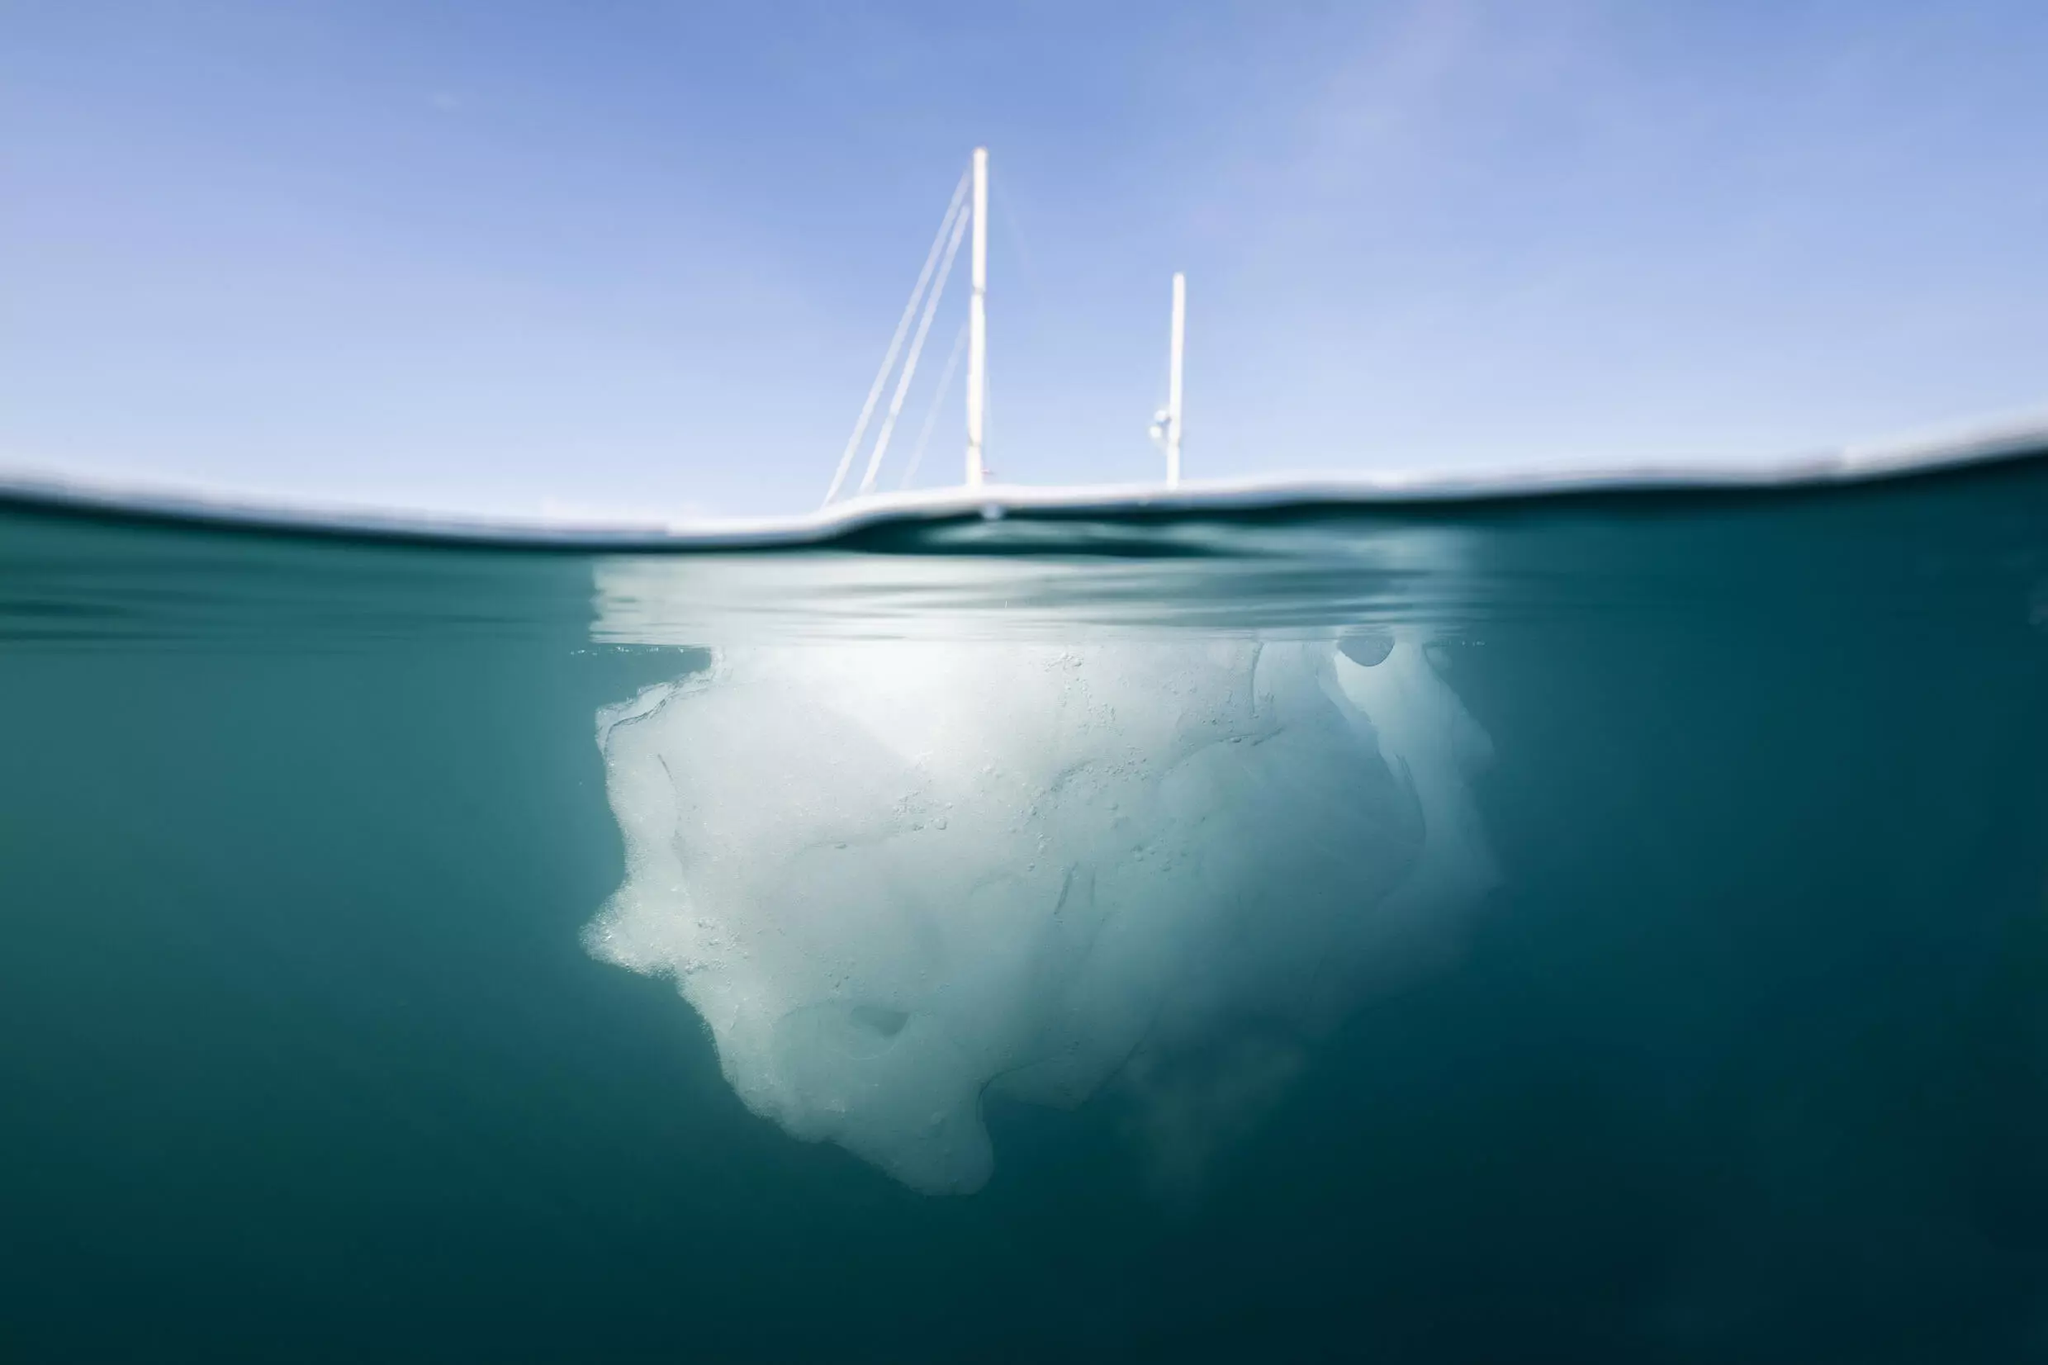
pixel 892 876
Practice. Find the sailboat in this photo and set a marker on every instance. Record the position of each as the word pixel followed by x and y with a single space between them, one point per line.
pixel 967 217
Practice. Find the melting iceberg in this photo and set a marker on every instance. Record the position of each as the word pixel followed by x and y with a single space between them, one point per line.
pixel 895 877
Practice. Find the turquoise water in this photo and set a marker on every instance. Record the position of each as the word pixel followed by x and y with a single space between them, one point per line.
pixel 1661 976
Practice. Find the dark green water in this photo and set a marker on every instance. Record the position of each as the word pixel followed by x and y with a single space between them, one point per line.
pixel 1745 1058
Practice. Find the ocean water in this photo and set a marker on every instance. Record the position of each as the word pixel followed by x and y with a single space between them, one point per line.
pixel 1599 927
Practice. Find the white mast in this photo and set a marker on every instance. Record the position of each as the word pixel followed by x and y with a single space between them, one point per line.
pixel 1180 326
pixel 977 322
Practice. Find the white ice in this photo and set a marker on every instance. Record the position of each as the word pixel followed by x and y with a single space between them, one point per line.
pixel 896 877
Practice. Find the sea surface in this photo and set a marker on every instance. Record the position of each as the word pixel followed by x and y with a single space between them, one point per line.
pixel 1660 974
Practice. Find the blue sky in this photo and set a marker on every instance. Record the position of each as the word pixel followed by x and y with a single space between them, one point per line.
pixel 641 257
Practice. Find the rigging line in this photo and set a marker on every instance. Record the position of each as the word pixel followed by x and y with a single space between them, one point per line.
pixel 924 325
pixel 1005 216
pixel 867 409
pixel 988 426
pixel 931 413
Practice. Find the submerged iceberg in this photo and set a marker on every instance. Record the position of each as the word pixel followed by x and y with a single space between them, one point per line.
pixel 895 877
